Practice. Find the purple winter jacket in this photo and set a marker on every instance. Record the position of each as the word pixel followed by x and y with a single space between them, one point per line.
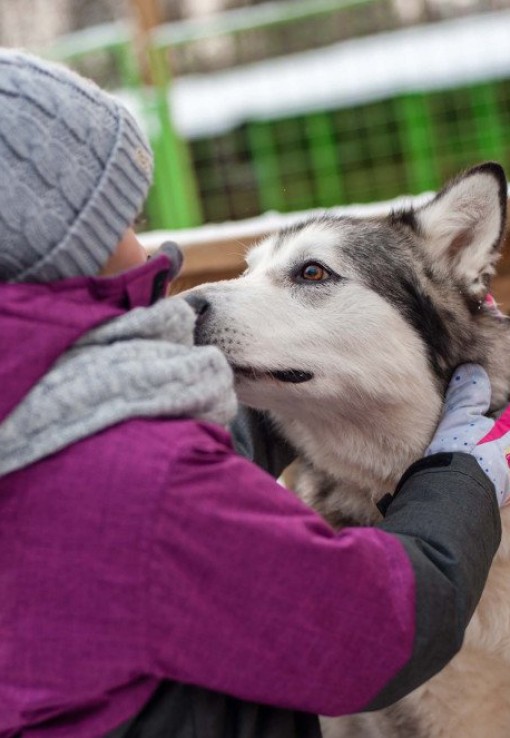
pixel 152 551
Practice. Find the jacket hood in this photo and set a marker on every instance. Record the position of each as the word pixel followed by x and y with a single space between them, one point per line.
pixel 38 322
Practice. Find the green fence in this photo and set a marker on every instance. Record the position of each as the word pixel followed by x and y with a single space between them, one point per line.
pixel 404 145
pixel 405 142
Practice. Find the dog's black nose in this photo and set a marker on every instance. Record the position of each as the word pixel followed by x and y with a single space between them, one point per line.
pixel 199 304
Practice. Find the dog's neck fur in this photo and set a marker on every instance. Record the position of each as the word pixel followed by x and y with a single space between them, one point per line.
pixel 346 463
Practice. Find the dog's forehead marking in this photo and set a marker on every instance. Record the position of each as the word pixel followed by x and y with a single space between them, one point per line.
pixel 320 240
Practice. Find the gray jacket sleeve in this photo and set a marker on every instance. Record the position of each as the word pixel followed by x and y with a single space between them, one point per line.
pixel 446 515
pixel 255 437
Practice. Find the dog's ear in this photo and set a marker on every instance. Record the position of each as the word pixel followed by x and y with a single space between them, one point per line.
pixel 464 224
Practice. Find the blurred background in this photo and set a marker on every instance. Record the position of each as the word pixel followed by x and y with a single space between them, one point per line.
pixel 254 106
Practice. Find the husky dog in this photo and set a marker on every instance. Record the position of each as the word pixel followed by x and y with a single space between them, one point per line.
pixel 347 332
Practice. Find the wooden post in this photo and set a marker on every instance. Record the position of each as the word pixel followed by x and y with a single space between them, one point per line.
pixel 147 12
pixel 147 16
pixel 175 196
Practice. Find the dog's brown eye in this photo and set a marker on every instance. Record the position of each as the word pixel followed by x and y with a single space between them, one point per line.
pixel 314 273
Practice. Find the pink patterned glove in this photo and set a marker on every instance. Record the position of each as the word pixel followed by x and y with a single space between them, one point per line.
pixel 465 427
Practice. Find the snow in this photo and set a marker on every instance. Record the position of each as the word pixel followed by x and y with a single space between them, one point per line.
pixel 353 72
pixel 268 222
pixel 427 57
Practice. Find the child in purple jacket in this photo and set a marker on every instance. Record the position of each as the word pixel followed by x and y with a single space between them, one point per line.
pixel 153 582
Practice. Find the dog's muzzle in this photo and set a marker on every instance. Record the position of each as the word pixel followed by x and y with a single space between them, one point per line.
pixel 201 306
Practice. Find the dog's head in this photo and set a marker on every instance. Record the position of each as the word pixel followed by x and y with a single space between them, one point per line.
pixel 364 320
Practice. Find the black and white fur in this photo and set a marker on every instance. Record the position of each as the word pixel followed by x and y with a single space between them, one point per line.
pixel 347 331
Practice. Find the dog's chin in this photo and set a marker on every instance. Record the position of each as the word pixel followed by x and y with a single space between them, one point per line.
pixel 286 376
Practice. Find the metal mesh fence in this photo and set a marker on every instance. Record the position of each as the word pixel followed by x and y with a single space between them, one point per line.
pixel 251 34
pixel 291 106
pixel 404 145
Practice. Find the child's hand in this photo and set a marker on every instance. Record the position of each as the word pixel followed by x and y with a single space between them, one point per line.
pixel 465 427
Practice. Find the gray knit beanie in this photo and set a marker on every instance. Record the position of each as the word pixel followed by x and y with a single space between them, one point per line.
pixel 75 171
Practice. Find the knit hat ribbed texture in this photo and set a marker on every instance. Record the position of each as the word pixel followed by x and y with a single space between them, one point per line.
pixel 75 171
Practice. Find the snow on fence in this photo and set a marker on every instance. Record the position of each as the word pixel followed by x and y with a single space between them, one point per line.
pixel 363 120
